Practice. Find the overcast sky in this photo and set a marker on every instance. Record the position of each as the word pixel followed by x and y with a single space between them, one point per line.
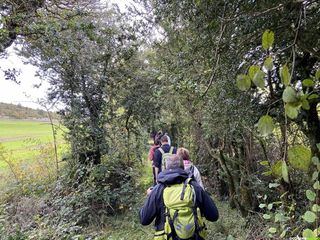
pixel 24 93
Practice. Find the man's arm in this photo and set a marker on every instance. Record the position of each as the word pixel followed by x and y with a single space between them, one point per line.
pixel 149 210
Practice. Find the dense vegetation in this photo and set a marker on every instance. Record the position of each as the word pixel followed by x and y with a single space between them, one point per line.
pixel 236 82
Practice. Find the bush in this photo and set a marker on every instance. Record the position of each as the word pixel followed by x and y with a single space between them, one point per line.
pixel 84 195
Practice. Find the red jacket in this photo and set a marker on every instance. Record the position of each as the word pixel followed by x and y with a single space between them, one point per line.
pixel 151 151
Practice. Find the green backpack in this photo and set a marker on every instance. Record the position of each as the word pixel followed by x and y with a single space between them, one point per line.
pixel 165 156
pixel 183 219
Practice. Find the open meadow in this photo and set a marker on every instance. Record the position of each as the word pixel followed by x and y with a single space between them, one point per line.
pixel 27 149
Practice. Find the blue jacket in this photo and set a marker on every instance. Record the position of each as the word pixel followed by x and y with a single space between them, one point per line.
pixel 153 207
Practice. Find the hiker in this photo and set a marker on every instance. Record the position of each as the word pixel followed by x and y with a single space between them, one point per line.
pixel 156 145
pixel 161 154
pixel 188 165
pixel 178 205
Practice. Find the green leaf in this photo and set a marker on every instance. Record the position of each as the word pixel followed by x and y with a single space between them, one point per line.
pixel 311 195
pixel 313 96
pixel 317 75
pixel 198 2
pixel 289 95
pixel 305 104
pixel 258 79
pixel 283 234
pixel 267 173
pixel 264 163
pixel 316 185
pixel 266 216
pixel 299 157
pixel 267 39
pixel 268 63
pixel 262 205
pixel 309 216
pixel 315 175
pixel 285 174
pixel 230 237
pixel 274 185
pixel 308 82
pixel 270 206
pixel 161 77
pixel 272 230
pixel 243 82
pixel 285 75
pixel 315 208
pixel 265 125
pixel 318 146
pixel 252 71
pixel 276 169
pixel 279 217
pixel 301 96
pixel 316 232
pixel 291 110
pixel 308 233
pixel 315 160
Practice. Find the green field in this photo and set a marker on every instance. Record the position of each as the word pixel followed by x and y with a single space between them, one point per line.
pixel 23 139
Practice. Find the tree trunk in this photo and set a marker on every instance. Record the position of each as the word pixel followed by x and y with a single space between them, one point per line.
pixel 313 128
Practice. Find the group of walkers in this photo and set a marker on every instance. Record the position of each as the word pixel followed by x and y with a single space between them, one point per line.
pixel 177 201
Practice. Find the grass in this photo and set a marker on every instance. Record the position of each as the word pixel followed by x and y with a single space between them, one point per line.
pixel 27 153
pixel 23 138
pixel 229 226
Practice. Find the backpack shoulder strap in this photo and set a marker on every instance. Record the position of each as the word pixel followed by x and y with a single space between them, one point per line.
pixel 191 171
pixel 161 150
pixel 171 150
pixel 186 182
pixel 162 158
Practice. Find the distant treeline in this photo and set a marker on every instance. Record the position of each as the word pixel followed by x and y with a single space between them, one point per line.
pixel 20 112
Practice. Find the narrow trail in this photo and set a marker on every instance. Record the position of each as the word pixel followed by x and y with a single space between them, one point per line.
pixel 126 226
pixel 230 225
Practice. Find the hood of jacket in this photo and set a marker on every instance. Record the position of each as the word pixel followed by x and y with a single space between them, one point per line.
pixel 172 176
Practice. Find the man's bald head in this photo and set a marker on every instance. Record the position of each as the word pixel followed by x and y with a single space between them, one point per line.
pixel 175 161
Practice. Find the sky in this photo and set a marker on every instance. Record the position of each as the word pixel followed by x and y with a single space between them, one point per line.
pixel 25 93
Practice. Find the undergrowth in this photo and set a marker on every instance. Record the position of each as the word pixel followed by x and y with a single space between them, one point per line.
pixel 229 226
pixel 76 212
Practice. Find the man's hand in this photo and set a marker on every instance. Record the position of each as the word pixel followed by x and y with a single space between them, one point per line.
pixel 149 191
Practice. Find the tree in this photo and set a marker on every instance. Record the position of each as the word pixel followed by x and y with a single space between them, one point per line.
pixel 26 19
pixel 82 63
pixel 23 21
pixel 205 45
